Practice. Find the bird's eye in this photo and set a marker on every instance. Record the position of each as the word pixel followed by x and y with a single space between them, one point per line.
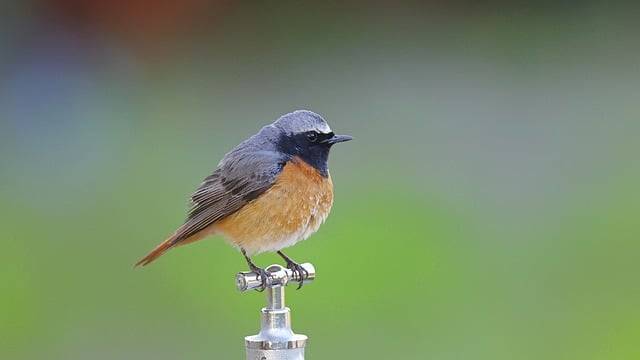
pixel 312 136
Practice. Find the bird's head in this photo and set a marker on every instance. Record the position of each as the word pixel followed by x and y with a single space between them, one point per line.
pixel 307 135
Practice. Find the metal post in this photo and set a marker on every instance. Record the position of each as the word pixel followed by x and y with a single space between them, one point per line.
pixel 276 340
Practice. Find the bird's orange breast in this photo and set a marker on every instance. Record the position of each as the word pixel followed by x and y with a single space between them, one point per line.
pixel 291 210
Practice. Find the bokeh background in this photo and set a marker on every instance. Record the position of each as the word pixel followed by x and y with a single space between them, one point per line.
pixel 488 208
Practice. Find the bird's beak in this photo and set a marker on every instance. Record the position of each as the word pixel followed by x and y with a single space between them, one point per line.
pixel 338 139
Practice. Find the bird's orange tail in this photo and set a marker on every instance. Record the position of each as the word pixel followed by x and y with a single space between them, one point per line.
pixel 157 252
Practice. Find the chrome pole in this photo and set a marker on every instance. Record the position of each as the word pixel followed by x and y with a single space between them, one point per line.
pixel 276 340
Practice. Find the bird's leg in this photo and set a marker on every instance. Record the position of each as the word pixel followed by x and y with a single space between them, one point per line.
pixel 298 270
pixel 262 273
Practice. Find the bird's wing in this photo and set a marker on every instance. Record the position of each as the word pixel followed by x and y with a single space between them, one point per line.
pixel 239 178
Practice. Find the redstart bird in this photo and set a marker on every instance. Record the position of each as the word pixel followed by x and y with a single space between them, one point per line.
pixel 268 193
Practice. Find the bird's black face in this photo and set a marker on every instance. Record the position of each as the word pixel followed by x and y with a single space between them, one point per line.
pixel 312 147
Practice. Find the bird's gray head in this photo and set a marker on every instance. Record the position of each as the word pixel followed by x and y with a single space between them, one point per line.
pixel 307 135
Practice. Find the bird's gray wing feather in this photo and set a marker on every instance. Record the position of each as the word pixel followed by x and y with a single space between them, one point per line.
pixel 242 176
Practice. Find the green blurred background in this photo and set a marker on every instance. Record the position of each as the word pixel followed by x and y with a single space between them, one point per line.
pixel 488 208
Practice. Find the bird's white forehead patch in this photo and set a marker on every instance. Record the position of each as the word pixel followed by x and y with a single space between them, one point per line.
pixel 302 121
pixel 320 126
pixel 323 128
pixel 316 123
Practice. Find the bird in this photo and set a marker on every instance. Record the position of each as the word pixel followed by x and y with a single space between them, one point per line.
pixel 266 194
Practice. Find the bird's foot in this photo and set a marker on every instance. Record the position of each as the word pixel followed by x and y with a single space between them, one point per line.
pixel 299 273
pixel 262 275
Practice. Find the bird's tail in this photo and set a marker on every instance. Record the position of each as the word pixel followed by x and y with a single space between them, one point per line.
pixel 158 251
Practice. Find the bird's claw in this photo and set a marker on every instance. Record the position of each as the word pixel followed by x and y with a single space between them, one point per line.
pixel 262 275
pixel 299 273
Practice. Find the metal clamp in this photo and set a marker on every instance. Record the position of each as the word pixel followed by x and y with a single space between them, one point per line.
pixel 276 340
pixel 278 276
